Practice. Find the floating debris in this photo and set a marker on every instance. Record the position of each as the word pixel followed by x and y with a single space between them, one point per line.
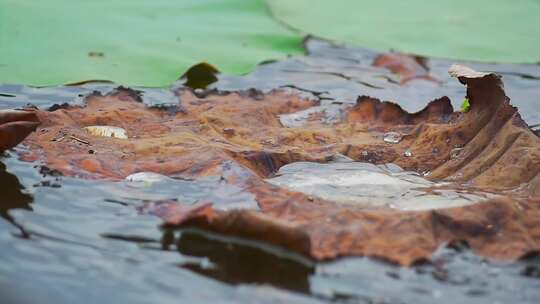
pixel 107 131
pixel 392 137
pixel 199 76
pixel 82 141
pixel 96 54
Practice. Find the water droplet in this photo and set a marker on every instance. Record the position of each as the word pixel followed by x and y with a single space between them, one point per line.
pixel 146 177
pixel 408 153
pixel 392 137
pixel 455 153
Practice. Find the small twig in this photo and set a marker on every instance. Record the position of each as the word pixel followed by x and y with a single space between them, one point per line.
pixel 59 139
pixel 79 140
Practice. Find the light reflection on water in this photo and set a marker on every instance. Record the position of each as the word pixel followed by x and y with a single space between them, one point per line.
pixel 83 248
pixel 366 185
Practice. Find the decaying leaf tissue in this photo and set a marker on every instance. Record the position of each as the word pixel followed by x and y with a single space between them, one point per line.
pixel 378 181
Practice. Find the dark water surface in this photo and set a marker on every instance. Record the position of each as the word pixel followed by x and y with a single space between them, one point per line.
pixel 88 242
pixel 66 240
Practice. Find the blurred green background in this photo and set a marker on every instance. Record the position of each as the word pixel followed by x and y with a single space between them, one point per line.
pixel 152 43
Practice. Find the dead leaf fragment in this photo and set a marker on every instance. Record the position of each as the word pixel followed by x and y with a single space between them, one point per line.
pixel 498 153
pixel 96 54
pixel 15 126
pixel 458 71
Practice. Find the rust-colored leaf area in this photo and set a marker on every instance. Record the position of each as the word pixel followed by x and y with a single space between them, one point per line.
pixel 15 126
pixel 409 67
pixel 240 136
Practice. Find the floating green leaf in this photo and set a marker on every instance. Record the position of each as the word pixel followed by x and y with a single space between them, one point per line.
pixel 488 30
pixel 137 42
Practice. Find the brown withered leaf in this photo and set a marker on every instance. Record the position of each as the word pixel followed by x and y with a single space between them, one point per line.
pixel 409 67
pixel 15 125
pixel 240 137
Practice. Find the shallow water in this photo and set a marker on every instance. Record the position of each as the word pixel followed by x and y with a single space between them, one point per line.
pixel 366 185
pixel 88 241
pixel 65 240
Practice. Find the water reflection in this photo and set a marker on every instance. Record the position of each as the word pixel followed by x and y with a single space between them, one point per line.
pixel 12 197
pixel 236 263
pixel 89 241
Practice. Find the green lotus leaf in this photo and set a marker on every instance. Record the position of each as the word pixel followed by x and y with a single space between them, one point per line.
pixel 136 42
pixel 485 30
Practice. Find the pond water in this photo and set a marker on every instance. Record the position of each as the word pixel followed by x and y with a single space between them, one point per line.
pixel 66 240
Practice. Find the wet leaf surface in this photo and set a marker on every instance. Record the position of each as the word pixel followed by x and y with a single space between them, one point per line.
pixel 498 153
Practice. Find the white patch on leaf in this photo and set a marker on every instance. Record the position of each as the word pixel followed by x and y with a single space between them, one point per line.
pixel 107 131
